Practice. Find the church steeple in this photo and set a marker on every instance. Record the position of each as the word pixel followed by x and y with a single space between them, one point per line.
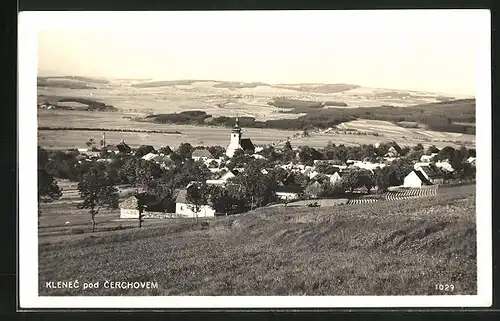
pixel 236 128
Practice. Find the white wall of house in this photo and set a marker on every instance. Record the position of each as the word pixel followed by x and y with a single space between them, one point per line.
pixel 412 180
pixel 287 196
pixel 184 210
pixel 335 178
pixel 129 213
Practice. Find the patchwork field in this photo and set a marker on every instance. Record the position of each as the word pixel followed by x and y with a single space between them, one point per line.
pixel 384 248
pixel 134 98
pixel 198 135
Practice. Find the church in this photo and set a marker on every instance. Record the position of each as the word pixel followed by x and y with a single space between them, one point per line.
pixel 237 142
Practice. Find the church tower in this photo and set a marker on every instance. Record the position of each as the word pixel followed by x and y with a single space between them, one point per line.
pixel 235 142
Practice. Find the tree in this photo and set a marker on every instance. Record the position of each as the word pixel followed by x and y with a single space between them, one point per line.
pixel 252 184
pixel 350 180
pixel 185 150
pixel 398 170
pixel 141 207
pixel 382 179
pixel 308 154
pixel 221 199
pixel 48 190
pixel 97 191
pixel 418 147
pixel 197 197
pixel 314 190
pixel 217 151
pixel 447 152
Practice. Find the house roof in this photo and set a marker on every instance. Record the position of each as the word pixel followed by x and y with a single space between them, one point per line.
pixel 123 148
pixel 289 189
pixel 246 144
pixel 396 147
pixel 422 178
pixel 429 171
pixel 181 196
pixel 129 203
pixel 202 153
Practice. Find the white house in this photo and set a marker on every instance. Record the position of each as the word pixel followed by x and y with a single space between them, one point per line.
pixel 183 208
pixel 415 180
pixel 471 160
pixel 420 164
pixel 289 192
pixel 128 208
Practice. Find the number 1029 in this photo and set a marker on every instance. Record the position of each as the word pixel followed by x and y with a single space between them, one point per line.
pixel 445 287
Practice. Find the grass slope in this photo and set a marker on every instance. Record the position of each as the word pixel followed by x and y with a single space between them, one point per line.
pixel 384 248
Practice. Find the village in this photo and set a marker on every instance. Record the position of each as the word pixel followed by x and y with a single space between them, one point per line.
pixel 203 182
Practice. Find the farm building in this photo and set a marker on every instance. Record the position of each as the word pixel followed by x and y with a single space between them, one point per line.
pixel 202 154
pixel 395 150
pixel 129 207
pixel 431 174
pixel 415 180
pixel 472 161
pixel 182 207
pixel 237 142
pixel 289 192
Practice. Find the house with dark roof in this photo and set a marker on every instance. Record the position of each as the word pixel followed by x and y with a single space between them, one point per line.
pixel 184 209
pixel 202 154
pixel 289 192
pixel 431 174
pixel 394 151
pixel 123 147
pixel 129 208
pixel 416 179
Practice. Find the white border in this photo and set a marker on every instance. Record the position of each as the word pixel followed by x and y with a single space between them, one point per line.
pixel 29 25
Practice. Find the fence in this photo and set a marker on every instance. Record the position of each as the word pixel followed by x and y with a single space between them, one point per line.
pixel 458 183
pixel 160 215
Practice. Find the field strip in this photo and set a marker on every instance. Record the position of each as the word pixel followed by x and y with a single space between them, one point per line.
pixel 112 130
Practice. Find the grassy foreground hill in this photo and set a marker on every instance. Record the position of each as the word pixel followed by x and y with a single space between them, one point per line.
pixel 384 248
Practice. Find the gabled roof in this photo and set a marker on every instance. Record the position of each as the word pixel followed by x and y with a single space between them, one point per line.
pixel 396 147
pixel 430 172
pixel 123 148
pixel 422 178
pixel 202 153
pixel 129 203
pixel 181 196
pixel 246 144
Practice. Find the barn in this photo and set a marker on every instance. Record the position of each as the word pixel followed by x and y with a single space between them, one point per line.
pixel 415 180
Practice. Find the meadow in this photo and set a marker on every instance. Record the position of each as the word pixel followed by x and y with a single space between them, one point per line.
pixel 385 248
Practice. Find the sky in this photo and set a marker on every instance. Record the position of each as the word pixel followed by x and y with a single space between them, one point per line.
pixel 428 50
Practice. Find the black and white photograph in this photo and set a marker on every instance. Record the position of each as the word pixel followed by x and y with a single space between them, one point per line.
pixel 255 159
